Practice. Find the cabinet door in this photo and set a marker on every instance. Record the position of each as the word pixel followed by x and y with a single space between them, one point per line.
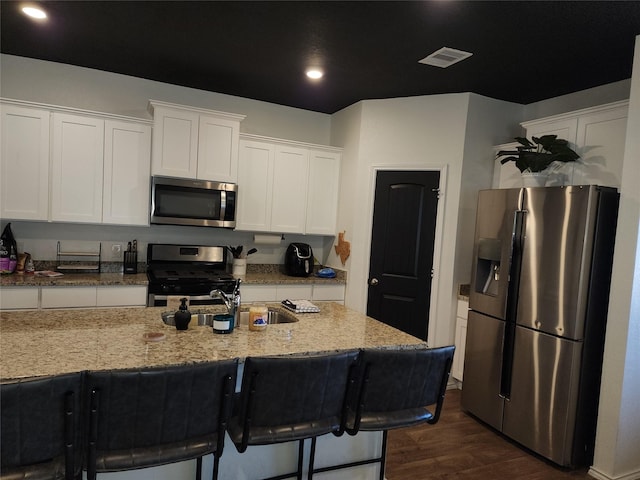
pixel 290 177
pixel 255 186
pixel 127 158
pixel 258 293
pixel 119 296
pixel 76 175
pixel 67 297
pixel 24 163
pixel 218 149
pixel 175 143
pixel 334 293
pixel 18 298
pixel 564 128
pixel 600 139
pixel 322 193
pixel 293 292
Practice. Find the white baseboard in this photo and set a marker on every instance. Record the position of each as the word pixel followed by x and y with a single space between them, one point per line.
pixel 593 472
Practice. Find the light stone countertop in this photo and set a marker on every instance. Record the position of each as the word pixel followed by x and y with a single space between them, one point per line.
pixel 73 280
pixel 255 276
pixel 50 342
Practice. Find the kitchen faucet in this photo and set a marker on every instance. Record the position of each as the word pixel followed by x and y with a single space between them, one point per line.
pixel 231 301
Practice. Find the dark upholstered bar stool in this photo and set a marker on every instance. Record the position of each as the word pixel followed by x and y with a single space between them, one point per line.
pixel 395 387
pixel 291 398
pixel 148 417
pixel 40 430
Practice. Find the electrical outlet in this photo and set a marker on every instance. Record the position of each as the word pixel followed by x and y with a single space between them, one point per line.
pixel 116 251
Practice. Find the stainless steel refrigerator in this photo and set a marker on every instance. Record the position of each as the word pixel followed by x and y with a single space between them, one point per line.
pixel 538 308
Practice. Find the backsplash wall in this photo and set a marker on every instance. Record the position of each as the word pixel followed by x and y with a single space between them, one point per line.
pixel 40 240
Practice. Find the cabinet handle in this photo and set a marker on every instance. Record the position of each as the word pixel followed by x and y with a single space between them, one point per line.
pixel 373 282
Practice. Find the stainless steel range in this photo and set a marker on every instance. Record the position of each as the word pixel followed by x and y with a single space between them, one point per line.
pixel 187 270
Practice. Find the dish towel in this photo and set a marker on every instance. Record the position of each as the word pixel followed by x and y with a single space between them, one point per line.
pixel 300 306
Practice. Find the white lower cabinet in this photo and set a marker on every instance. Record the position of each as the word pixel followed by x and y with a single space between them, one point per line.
pixel 19 298
pixel 461 339
pixel 115 296
pixel 333 293
pixel 102 296
pixel 68 297
pixel 277 293
pixel 293 292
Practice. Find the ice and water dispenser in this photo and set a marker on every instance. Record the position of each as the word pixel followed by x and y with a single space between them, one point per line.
pixel 488 266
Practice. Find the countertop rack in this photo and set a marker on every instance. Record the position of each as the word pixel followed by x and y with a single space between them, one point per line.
pixel 85 262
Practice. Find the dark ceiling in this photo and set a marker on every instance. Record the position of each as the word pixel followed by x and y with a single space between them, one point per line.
pixel 523 52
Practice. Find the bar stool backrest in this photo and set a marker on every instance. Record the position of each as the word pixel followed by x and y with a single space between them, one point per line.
pixel 147 417
pixel 40 430
pixel 290 398
pixel 396 386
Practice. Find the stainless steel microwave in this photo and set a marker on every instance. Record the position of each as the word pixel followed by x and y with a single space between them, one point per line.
pixel 202 203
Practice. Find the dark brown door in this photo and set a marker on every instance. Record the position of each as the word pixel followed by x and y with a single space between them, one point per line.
pixel 402 240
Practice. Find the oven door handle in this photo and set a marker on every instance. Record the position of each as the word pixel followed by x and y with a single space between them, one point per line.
pixel 190 297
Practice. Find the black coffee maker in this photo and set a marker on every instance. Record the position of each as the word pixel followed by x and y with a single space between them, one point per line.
pixel 298 260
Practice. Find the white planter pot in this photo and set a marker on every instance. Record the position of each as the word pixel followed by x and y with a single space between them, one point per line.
pixel 534 179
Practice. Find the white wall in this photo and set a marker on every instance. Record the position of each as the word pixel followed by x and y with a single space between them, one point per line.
pixel 415 132
pixel 612 92
pixel 40 240
pixel 59 84
pixel 617 454
pixel 489 122
pixel 451 133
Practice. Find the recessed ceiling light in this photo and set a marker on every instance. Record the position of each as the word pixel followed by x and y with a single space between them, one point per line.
pixel 314 73
pixel 445 57
pixel 34 12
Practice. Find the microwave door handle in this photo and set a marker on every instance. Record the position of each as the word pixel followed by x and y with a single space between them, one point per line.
pixel 223 204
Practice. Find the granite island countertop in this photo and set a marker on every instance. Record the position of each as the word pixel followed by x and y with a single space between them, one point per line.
pixel 36 343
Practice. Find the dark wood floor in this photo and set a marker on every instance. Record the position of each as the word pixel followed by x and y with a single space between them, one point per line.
pixel 460 447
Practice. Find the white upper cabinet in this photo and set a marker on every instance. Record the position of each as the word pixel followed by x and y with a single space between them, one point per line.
pixel 287 187
pixel 77 168
pixel 194 143
pixel 255 186
pixel 127 166
pixel 322 192
pixel 175 143
pixel 598 136
pixel 218 149
pixel 24 163
pixel 291 170
pixel 601 137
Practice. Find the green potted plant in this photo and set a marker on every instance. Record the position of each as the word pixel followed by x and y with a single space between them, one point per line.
pixel 534 158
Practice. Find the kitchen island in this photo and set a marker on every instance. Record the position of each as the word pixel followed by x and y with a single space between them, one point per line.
pixel 36 343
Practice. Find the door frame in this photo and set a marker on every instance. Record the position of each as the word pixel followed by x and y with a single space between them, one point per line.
pixel 437 246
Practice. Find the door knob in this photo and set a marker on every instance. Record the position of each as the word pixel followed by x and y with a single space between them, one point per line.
pixel 373 281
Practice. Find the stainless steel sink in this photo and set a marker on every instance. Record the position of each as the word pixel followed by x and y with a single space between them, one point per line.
pixel 274 316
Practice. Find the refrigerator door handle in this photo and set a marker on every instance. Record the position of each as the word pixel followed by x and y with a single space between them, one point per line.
pixel 515 262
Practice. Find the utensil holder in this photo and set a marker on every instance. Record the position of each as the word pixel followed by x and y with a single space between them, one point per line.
pixel 239 266
pixel 130 262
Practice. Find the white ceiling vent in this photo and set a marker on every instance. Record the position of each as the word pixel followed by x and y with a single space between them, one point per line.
pixel 445 57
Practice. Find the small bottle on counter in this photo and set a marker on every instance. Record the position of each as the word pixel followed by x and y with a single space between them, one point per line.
pixel 258 317
pixel 183 316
